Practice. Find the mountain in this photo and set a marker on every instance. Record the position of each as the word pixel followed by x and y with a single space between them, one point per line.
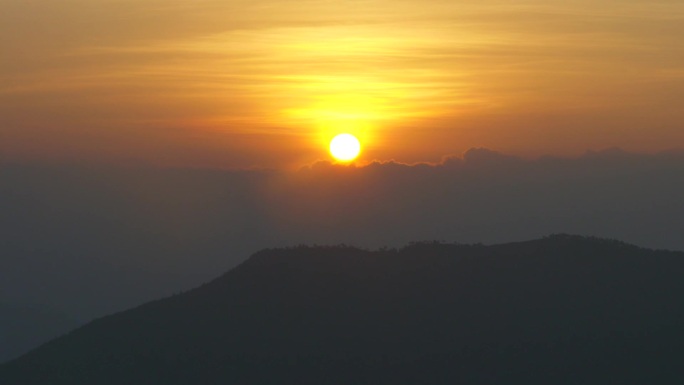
pixel 24 327
pixel 559 310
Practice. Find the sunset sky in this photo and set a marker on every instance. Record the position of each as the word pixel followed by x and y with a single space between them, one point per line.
pixel 267 83
pixel 148 146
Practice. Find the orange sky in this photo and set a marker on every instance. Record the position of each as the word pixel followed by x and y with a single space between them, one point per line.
pixel 267 83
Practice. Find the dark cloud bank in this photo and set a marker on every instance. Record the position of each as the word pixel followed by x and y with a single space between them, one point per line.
pixel 91 241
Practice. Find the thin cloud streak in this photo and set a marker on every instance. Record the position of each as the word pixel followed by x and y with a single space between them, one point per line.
pixel 298 67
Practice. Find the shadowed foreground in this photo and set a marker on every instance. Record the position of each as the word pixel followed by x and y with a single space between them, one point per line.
pixel 561 310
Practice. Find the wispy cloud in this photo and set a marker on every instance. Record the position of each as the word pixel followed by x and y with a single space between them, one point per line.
pixel 416 70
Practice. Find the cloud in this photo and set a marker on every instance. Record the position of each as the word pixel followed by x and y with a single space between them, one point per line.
pixel 96 239
pixel 487 196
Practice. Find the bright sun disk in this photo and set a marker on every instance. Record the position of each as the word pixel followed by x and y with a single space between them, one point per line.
pixel 345 147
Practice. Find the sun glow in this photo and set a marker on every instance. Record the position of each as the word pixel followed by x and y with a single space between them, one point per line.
pixel 345 147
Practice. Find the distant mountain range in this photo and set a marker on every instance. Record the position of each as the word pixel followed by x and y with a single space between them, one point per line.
pixel 559 310
pixel 25 327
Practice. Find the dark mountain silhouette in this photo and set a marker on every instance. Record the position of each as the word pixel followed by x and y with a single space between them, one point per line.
pixel 560 310
pixel 25 327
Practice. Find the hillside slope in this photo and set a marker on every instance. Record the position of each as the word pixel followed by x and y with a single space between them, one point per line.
pixel 561 310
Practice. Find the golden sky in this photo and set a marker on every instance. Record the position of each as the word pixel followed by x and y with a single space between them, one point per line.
pixel 267 83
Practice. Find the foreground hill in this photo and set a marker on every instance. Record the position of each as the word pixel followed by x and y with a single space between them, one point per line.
pixel 561 310
pixel 24 327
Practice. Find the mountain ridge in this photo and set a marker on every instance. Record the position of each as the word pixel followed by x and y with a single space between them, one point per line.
pixel 426 313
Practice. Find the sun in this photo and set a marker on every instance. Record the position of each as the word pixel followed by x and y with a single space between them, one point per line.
pixel 345 147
